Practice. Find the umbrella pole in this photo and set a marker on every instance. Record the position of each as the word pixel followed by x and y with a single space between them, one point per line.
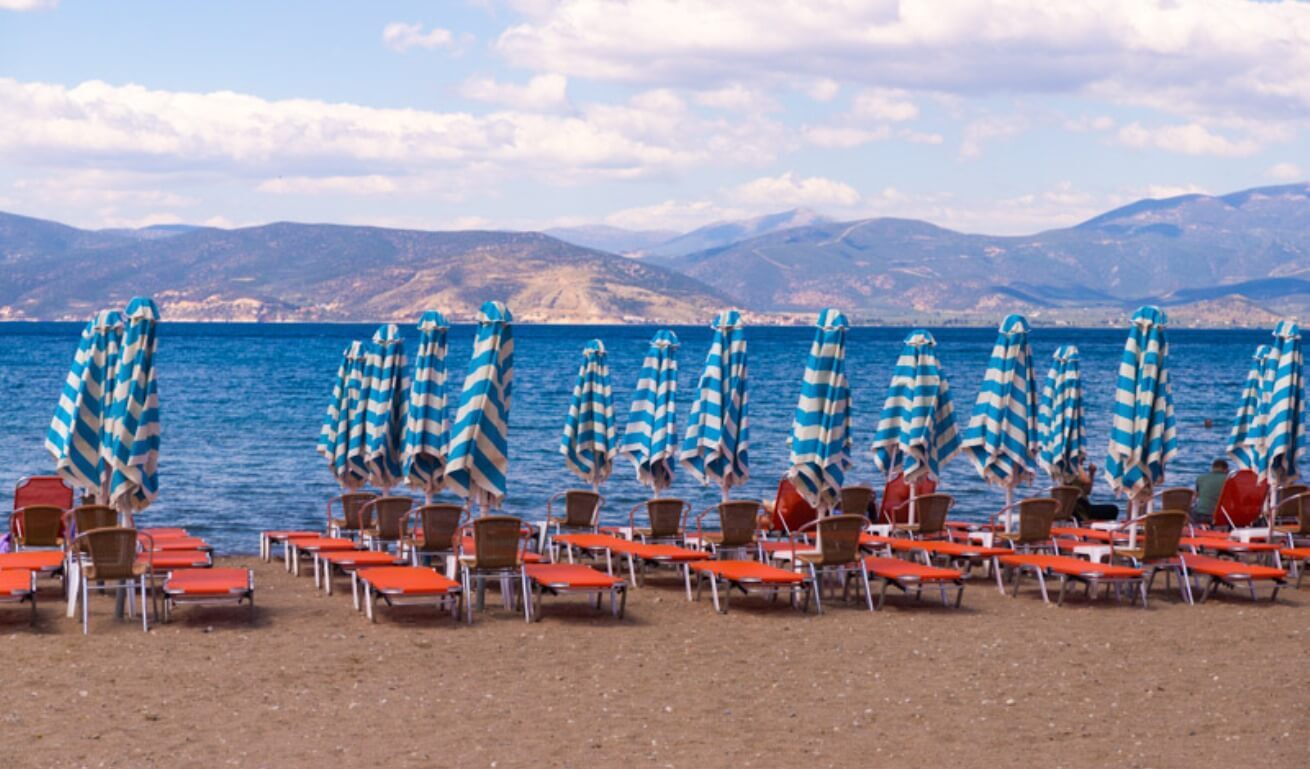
pixel 725 489
pixel 1009 512
pixel 913 504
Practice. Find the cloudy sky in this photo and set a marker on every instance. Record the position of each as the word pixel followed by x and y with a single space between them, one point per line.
pixel 1002 116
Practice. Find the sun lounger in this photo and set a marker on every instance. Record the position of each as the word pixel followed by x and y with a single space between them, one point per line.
pixel 171 560
pixel 1223 571
pixel 746 576
pixel 166 543
pixel 348 561
pixel 268 538
pixel 1299 559
pixel 46 563
pixel 315 544
pixel 636 553
pixel 952 552
pixel 209 587
pixel 405 586
pixel 166 532
pixel 1233 547
pixel 905 575
pixel 17 586
pixel 1068 568
pixel 560 578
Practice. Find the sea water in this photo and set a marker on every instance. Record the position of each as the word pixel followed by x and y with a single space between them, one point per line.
pixel 242 405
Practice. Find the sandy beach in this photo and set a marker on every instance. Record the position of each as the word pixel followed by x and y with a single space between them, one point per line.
pixel 1003 680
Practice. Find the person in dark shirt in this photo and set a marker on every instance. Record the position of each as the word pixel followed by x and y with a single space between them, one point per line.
pixel 1208 487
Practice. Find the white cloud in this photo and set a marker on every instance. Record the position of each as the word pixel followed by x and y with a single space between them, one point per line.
pixel 790 191
pixel 400 36
pixel 672 215
pixel 989 128
pixel 27 5
pixel 1188 139
pixel 1238 55
pixel 843 136
pixel 1089 124
pixel 737 98
pixel 541 93
pixel 372 184
pixel 1285 172
pixel 884 104
pixel 98 125
pixel 823 90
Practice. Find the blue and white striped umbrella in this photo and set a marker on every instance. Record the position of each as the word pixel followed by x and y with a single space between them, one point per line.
pixel 715 446
pixel 427 431
pixel 134 418
pixel 1002 438
pixel 588 443
pixel 651 437
pixel 387 387
pixel 1284 425
pixel 1246 442
pixel 1063 432
pixel 479 451
pixel 820 436
pixel 330 433
pixel 77 437
pixel 916 429
pixel 1143 436
pixel 350 448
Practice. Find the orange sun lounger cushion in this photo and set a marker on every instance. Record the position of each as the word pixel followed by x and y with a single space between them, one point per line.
pixel 16 582
pixel 1226 569
pixel 177 543
pixel 407 580
pixel 199 582
pixel 752 572
pixel 176 559
pixel 590 541
pixel 570 576
pixel 1228 545
pixel 45 561
pixel 900 570
pixel 1069 566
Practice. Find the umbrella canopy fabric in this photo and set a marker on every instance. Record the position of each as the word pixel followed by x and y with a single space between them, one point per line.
pixel 331 437
pixel 77 436
pixel 351 469
pixel 387 387
pixel 1246 443
pixel 916 429
pixel 588 442
pixel 650 438
pixel 427 432
pixel 820 436
pixel 716 445
pixel 479 451
pixel 1284 426
pixel 134 417
pixel 1003 438
pixel 1143 436
pixel 1063 432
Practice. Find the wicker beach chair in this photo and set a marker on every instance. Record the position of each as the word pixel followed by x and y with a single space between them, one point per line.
pixel 387 516
pixel 38 527
pixel 1157 548
pixel 858 500
pixel 1036 516
pixel 666 521
pixel 834 552
pixel 739 521
pixel 112 558
pixel 1067 495
pixel 430 534
pixel 354 509
pixel 499 543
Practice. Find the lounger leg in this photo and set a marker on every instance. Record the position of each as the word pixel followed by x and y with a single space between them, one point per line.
pixel 527 598
pixel 996 572
pixel 623 601
pixel 632 567
pixel 86 601
pixel 959 595
pixel 686 577
pixel 354 589
pixel 868 590
pixel 714 591
pixel 145 616
pixel 882 594
pixel 368 602
pixel 1018 575
pixel 1064 584
pixel 818 590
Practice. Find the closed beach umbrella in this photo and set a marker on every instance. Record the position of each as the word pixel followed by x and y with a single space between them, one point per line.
pixel 820 437
pixel 331 437
pixel 427 432
pixel 387 387
pixel 134 417
pixel 1284 427
pixel 1063 433
pixel 715 446
pixel 1002 438
pixel 1143 436
pixel 916 429
pixel 650 439
pixel 479 450
pixel 1246 443
pixel 77 436
pixel 348 457
pixel 588 442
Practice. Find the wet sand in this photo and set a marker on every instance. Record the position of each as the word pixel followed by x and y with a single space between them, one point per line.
pixel 1003 681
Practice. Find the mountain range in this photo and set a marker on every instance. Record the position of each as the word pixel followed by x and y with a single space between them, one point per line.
pixel 1237 259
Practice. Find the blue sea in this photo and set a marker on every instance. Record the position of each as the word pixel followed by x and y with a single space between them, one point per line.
pixel 242 405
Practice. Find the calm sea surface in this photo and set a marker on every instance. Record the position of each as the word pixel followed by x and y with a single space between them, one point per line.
pixel 242 405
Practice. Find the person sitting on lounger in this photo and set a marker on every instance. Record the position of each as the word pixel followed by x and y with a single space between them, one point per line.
pixel 1085 510
pixel 1208 487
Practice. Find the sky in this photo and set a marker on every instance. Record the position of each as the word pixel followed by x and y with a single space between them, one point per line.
pixel 995 116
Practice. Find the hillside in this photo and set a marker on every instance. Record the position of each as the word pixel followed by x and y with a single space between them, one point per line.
pixel 1252 245
pixel 289 271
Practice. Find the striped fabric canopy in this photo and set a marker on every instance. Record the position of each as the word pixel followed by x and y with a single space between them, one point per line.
pixel 588 442
pixel 427 432
pixel 1246 443
pixel 387 387
pixel 1063 433
pixel 820 436
pixel 715 446
pixel 650 439
pixel 1002 438
pixel 1284 425
pixel 134 417
pixel 1143 436
pixel 331 435
pixel 77 436
pixel 916 430
pixel 479 450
